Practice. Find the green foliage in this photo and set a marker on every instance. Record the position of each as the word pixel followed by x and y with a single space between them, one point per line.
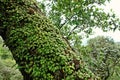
pixel 7 72
pixel 76 17
pixel 4 51
pixel 103 56
pixel 80 16
pixel 73 17
pixel 39 49
pixel 37 46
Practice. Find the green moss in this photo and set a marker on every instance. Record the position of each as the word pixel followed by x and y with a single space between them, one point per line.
pixel 37 45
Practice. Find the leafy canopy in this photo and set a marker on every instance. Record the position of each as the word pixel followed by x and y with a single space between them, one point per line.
pixel 74 17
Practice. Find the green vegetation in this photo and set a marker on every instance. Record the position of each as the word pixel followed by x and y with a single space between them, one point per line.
pixel 47 49
pixel 37 45
pixel 103 57
pixel 7 69
pixel 73 17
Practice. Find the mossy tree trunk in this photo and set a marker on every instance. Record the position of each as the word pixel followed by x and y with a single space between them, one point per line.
pixel 36 45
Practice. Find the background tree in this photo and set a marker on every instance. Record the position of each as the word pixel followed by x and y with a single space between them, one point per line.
pixel 103 57
pixel 7 70
pixel 37 45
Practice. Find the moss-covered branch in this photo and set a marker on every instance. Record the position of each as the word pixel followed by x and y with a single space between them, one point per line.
pixel 36 44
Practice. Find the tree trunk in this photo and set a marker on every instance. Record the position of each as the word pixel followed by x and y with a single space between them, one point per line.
pixel 36 45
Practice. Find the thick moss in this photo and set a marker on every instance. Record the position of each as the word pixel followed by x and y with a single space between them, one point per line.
pixel 36 45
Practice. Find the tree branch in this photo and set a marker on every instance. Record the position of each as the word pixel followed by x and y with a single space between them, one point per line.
pixel 67 20
pixel 71 31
